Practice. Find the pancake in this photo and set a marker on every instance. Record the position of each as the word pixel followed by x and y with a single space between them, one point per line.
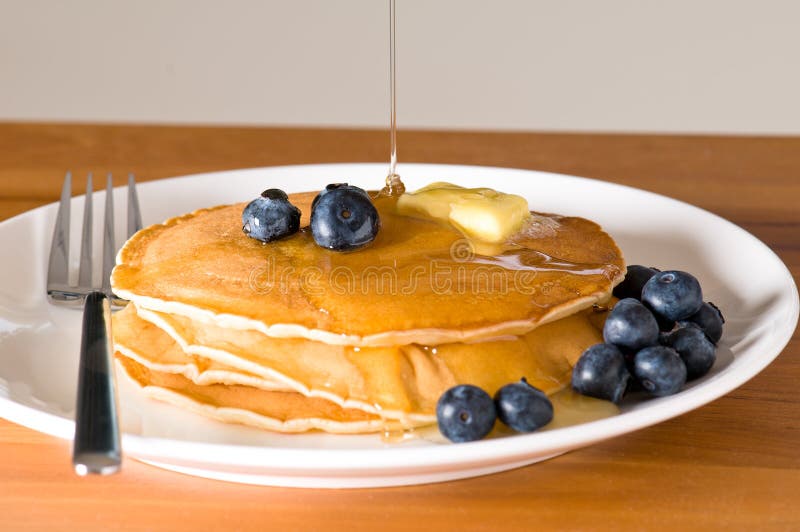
pixel 142 343
pixel 278 411
pixel 418 282
pixel 176 360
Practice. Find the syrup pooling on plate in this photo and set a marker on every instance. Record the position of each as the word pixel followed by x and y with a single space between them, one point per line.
pixel 569 409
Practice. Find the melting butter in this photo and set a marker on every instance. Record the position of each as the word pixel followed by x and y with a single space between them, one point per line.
pixel 480 213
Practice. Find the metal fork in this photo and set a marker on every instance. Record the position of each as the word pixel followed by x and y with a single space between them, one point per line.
pixel 96 447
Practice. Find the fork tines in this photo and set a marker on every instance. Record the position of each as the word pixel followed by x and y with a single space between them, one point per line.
pixel 59 288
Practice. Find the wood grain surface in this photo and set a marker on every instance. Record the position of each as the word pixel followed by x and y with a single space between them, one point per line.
pixel 734 463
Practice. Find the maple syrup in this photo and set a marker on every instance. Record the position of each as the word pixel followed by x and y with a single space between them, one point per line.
pixel 394 185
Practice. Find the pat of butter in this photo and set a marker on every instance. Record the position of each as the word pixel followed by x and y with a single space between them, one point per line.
pixel 480 213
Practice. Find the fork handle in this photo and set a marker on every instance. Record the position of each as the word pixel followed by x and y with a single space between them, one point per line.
pixel 96 447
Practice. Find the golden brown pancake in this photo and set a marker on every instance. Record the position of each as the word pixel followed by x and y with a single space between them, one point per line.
pixel 418 282
pixel 272 410
pixel 400 383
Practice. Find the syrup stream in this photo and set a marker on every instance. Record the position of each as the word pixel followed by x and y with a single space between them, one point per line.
pixel 394 186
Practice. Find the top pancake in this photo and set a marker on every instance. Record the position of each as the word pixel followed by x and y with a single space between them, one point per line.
pixel 418 282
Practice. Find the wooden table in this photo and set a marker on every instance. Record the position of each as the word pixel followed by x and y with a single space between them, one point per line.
pixel 733 463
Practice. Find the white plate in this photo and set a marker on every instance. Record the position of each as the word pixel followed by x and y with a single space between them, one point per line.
pixel 39 343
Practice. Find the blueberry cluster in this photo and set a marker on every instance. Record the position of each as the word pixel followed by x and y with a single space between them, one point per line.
pixel 343 217
pixel 659 335
pixel 467 413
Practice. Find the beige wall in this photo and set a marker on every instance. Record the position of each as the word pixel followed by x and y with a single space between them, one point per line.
pixel 623 65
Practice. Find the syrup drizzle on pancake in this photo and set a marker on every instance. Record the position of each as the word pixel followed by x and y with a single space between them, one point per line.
pixel 419 282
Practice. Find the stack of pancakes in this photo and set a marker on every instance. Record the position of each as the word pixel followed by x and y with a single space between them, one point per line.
pixel 291 337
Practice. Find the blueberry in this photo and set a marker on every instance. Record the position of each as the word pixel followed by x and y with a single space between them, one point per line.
pixel 675 295
pixel 630 325
pixel 659 370
pixel 635 278
pixel 523 407
pixel 709 319
pixel 465 413
pixel 695 349
pixel 343 218
pixel 601 372
pixel 270 217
